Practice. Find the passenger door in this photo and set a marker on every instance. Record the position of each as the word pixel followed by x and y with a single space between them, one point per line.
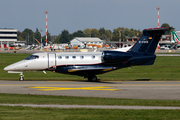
pixel 51 61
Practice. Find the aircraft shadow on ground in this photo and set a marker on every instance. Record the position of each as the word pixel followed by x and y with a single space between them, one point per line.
pixel 142 79
pixel 99 82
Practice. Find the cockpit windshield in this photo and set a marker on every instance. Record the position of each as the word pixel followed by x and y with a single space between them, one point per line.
pixel 31 57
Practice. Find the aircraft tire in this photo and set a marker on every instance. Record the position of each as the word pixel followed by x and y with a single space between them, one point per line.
pixel 21 78
pixel 92 78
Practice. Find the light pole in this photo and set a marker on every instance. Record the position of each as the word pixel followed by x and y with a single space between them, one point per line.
pixel 158 15
pixel 41 39
pixel 120 37
pixel 46 26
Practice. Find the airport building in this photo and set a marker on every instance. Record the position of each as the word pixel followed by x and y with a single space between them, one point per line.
pixel 84 41
pixel 7 36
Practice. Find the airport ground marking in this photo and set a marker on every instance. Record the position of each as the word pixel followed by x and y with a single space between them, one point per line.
pixel 177 84
pixel 150 81
pixel 38 88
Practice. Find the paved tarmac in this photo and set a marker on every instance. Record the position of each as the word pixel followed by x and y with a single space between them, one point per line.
pixel 97 106
pixel 110 89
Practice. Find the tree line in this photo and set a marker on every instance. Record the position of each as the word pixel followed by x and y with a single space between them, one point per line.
pixel 29 36
pixel 118 33
pixel 102 33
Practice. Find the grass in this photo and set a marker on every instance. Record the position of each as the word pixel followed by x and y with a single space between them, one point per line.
pixel 164 68
pixel 28 113
pixel 63 100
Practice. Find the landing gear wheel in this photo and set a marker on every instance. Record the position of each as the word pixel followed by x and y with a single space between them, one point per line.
pixel 92 78
pixel 21 78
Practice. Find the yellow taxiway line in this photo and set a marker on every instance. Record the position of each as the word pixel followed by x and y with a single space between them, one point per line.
pixel 80 88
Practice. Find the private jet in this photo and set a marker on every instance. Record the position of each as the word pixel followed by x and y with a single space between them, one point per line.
pixel 90 64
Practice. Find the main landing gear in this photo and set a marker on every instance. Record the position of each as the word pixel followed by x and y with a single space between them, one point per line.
pixel 92 78
pixel 22 76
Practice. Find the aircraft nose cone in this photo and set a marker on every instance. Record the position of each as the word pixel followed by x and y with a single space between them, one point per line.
pixel 8 68
pixel 14 66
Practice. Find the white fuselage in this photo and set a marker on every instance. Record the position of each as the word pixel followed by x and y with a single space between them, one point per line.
pixel 43 61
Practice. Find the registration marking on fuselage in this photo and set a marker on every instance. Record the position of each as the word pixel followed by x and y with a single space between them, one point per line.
pixel 38 88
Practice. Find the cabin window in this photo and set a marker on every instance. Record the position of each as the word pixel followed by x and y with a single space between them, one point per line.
pixel 60 57
pixel 93 57
pixel 36 57
pixel 74 57
pixel 31 57
pixel 67 57
pixel 82 57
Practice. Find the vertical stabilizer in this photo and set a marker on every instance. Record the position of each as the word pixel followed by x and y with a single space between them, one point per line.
pixel 175 37
pixel 149 40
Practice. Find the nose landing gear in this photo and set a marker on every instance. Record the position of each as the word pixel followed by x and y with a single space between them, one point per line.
pixel 22 76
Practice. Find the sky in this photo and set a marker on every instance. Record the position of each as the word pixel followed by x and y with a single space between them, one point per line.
pixel 74 15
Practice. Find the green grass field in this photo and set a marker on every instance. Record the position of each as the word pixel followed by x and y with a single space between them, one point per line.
pixel 165 68
pixel 68 100
pixel 28 113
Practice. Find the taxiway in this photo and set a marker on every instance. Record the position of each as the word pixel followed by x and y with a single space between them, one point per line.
pixel 110 89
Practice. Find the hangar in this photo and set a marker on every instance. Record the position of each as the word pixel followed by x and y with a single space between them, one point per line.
pixel 83 41
pixel 7 36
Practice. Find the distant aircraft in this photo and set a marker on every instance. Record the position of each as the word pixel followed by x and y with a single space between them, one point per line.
pixel 175 40
pixel 90 64
pixel 175 37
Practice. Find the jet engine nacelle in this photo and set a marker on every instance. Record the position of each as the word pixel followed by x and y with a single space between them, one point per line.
pixel 115 56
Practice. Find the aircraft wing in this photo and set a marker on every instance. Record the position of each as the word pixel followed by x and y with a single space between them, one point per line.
pixel 125 49
pixel 90 69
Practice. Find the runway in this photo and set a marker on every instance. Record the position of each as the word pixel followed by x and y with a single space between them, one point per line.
pixel 110 89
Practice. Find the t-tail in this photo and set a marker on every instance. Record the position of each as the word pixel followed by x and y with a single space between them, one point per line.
pixel 144 49
pixel 175 37
pixel 149 40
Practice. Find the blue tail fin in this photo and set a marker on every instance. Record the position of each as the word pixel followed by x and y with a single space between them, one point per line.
pixel 149 40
